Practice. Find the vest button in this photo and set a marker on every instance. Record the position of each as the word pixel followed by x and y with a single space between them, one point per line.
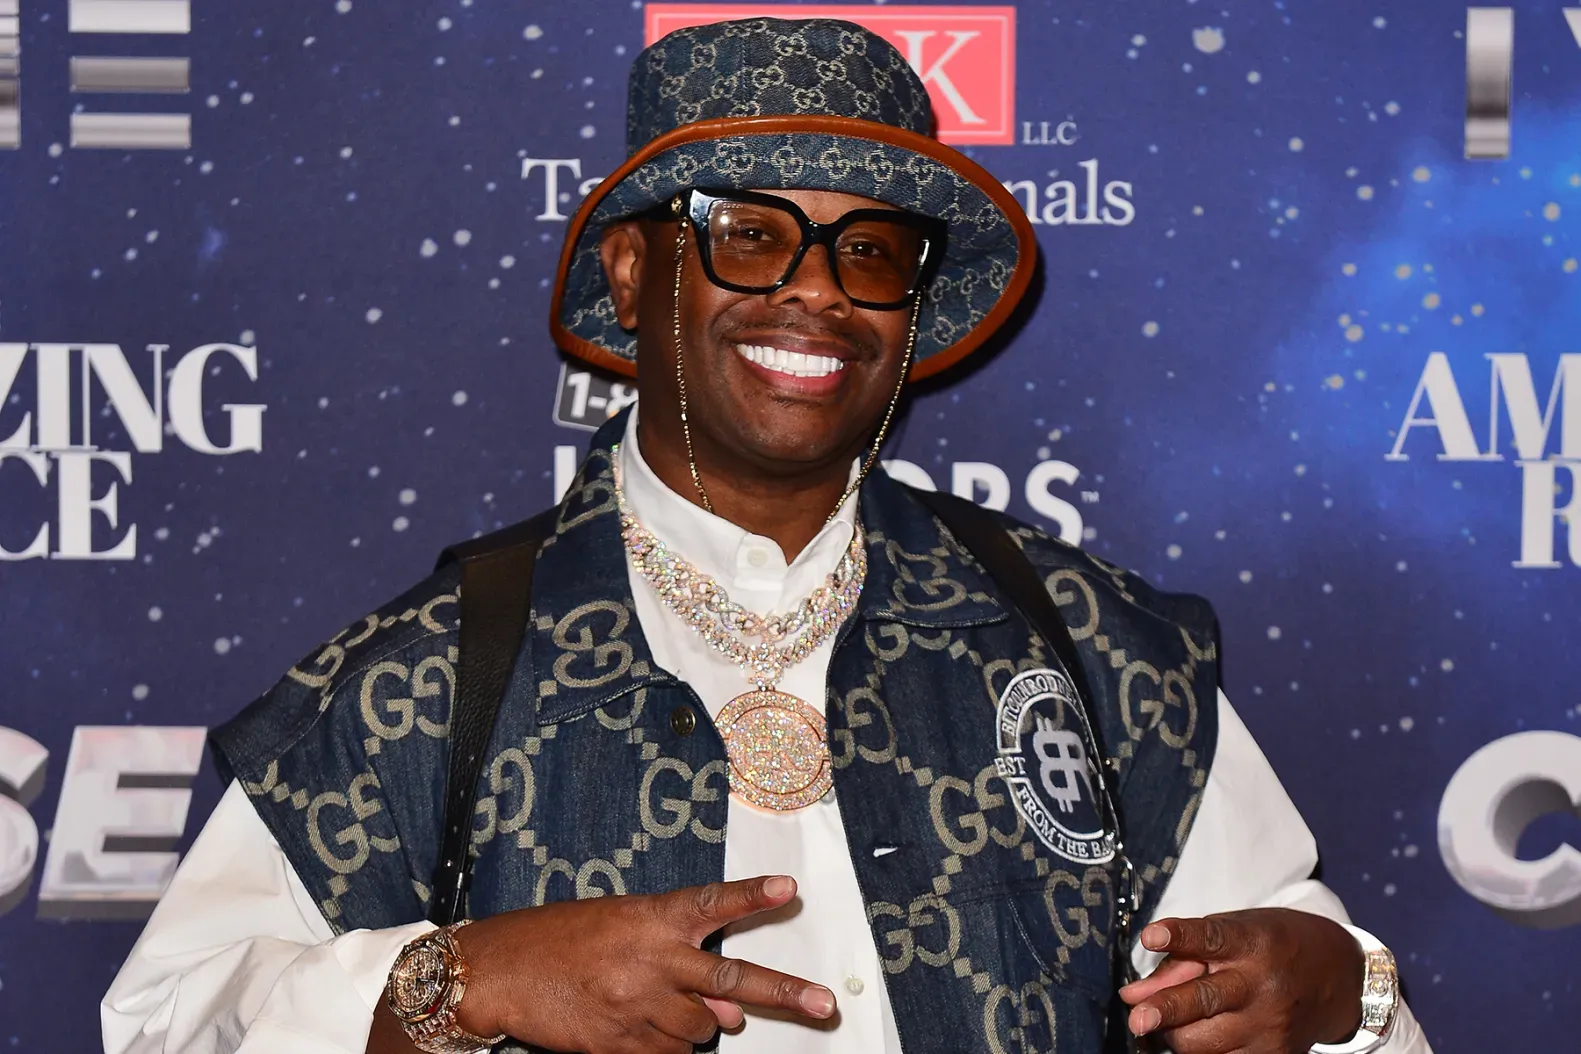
pixel 682 720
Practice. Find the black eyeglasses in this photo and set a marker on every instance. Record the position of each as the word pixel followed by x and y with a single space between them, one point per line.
pixel 752 243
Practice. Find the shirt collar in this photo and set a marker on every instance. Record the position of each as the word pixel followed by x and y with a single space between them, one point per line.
pixel 750 566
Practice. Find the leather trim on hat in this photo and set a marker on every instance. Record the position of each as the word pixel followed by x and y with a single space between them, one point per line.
pixel 1010 287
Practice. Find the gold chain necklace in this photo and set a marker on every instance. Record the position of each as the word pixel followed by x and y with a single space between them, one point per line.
pixel 777 743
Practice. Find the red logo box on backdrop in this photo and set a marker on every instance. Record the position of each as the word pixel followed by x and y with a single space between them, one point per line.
pixel 965 55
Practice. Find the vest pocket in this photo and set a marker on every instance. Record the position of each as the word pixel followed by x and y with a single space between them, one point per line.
pixel 1059 926
pixel 1032 1001
pixel 1066 921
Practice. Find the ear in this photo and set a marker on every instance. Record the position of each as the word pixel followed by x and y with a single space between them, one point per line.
pixel 621 251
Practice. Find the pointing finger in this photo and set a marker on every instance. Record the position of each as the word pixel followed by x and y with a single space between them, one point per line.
pixel 1196 1000
pixel 1210 939
pixel 715 977
pixel 700 910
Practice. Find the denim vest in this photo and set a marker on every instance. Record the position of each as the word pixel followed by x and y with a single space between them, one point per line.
pixel 993 937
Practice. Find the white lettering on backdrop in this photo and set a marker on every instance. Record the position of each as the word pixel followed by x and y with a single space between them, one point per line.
pixel 1548 469
pixel 51 442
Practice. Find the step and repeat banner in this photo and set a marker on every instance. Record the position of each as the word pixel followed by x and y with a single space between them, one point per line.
pixel 273 288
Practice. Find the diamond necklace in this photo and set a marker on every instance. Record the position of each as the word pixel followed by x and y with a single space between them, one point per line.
pixel 777 744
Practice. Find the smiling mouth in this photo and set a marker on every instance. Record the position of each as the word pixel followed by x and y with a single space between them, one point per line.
pixel 790 363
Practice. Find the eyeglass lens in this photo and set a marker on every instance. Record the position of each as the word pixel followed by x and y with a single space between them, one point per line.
pixel 753 244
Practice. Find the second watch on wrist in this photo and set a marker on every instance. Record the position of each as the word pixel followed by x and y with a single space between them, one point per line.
pixel 1380 998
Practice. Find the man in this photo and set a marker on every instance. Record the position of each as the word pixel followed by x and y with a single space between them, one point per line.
pixel 670 843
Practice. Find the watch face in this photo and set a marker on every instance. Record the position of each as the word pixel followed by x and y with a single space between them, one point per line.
pixel 419 979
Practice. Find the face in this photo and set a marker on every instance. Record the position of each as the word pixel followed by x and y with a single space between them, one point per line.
pixel 741 408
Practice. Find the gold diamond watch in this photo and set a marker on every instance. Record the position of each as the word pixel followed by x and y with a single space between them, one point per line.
pixel 426 985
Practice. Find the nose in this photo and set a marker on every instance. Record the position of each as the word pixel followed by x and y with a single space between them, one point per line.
pixel 813 286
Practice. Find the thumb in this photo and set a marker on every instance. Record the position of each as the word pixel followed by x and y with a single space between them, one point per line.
pixel 1169 973
pixel 728 1014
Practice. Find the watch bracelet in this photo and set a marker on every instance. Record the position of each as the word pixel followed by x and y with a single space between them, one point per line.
pixel 1379 992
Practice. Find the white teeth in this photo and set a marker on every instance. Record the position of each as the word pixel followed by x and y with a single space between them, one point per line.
pixel 792 363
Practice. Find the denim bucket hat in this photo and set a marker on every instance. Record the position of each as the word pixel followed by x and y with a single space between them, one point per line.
pixel 813 104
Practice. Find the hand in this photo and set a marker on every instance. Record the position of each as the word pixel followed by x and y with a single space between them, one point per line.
pixel 1265 981
pixel 618 975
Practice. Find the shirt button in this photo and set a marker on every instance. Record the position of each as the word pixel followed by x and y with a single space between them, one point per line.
pixel 682 721
pixel 757 557
pixel 854 985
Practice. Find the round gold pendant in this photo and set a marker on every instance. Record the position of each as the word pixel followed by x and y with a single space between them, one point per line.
pixel 778 748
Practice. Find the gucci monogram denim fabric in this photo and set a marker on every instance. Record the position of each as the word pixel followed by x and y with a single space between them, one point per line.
pixel 759 66
pixel 814 67
pixel 990 942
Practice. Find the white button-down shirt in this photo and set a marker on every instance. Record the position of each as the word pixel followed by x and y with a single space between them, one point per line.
pixel 237 957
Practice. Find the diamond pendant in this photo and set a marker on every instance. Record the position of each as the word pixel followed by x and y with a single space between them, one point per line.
pixel 778 748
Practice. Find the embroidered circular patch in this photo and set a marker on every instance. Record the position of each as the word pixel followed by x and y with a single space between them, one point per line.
pixel 1043 760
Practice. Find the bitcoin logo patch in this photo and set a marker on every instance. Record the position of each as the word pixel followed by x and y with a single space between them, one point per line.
pixel 1043 759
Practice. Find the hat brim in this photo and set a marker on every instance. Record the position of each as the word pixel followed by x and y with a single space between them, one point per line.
pixel 990 254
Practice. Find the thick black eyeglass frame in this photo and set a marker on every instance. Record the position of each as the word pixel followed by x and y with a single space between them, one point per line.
pixel 695 202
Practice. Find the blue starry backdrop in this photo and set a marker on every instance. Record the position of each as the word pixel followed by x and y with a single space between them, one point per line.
pixel 1220 375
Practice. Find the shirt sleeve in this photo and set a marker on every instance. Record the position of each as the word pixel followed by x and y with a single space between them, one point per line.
pixel 237 957
pixel 1250 848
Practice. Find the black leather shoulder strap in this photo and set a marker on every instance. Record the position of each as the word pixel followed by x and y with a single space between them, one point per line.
pixel 991 545
pixel 496 594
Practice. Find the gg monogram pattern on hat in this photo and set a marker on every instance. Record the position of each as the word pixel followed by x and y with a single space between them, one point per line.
pixel 990 939
pixel 819 104
pixel 760 66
